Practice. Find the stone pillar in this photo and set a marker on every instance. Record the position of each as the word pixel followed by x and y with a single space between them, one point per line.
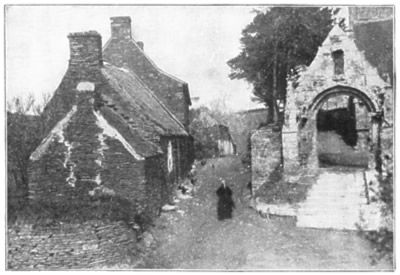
pixel 374 162
pixel 313 162
pixel 307 140
pixel 290 143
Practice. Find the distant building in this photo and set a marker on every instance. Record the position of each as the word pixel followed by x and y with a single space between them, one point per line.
pixel 210 135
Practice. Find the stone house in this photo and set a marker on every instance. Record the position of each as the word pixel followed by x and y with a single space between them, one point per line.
pixel 108 136
pixel 122 50
pixel 107 132
pixel 210 134
pixel 338 124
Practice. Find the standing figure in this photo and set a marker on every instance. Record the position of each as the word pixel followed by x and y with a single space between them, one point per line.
pixel 225 202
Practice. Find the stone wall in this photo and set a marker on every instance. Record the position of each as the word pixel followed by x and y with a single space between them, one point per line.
pixel 291 162
pixel 92 244
pixel 266 155
pixel 241 126
pixel 359 14
pixel 81 159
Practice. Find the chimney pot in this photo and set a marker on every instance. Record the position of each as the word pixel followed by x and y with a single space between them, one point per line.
pixel 85 49
pixel 121 27
pixel 140 44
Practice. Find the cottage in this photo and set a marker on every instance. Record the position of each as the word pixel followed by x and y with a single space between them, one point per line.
pixel 212 137
pixel 108 133
pixel 122 50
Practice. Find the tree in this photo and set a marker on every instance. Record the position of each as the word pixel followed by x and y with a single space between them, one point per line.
pixel 25 129
pixel 274 44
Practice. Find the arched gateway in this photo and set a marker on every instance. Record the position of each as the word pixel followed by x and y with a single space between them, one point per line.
pixel 334 110
pixel 337 127
pixel 340 127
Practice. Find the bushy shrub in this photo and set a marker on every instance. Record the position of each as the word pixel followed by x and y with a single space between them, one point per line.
pixel 382 242
pixel 382 239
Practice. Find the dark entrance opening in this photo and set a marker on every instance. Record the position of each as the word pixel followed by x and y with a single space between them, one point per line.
pixel 343 129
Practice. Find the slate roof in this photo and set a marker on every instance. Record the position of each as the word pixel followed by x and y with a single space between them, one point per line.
pixel 207 120
pixel 375 38
pixel 132 43
pixel 143 110
pixel 123 52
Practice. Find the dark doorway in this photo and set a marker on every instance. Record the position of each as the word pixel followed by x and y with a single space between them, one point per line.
pixel 342 127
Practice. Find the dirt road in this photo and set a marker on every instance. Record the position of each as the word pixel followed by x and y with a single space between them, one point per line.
pixel 192 238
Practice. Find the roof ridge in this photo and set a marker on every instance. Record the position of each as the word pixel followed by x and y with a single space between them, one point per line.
pixel 154 64
pixel 57 130
pixel 106 44
pixel 111 131
pixel 152 95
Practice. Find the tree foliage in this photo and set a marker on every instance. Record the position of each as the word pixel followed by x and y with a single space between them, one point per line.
pixel 278 40
pixel 25 129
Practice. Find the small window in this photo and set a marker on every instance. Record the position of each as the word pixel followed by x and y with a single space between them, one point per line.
pixel 338 62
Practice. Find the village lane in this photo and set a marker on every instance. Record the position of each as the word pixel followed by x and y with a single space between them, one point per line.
pixel 192 238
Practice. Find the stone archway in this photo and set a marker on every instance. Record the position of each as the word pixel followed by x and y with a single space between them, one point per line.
pixel 307 131
pixel 338 90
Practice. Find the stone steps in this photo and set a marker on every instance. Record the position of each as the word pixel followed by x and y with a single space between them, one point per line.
pixel 335 201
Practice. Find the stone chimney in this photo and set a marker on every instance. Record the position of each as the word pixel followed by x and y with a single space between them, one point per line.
pixel 85 50
pixel 121 27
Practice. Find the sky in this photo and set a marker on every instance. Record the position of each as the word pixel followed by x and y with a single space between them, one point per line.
pixel 192 43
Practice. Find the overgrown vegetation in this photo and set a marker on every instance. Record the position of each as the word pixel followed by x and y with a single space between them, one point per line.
pixel 25 130
pixel 382 239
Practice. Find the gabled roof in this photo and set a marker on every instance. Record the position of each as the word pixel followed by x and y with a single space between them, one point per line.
pixel 375 38
pixel 130 108
pixel 141 108
pixel 132 43
pixel 127 53
pixel 337 39
pixel 109 120
pixel 111 125
pixel 122 104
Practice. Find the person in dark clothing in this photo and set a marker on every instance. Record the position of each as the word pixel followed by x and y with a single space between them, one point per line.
pixel 225 202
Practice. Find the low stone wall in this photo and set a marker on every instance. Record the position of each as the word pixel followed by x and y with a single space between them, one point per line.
pixel 266 155
pixel 88 245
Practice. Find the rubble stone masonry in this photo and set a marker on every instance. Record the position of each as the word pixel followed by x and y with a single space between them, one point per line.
pixel 266 155
pixel 87 245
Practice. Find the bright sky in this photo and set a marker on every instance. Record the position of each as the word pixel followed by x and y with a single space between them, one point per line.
pixel 192 43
